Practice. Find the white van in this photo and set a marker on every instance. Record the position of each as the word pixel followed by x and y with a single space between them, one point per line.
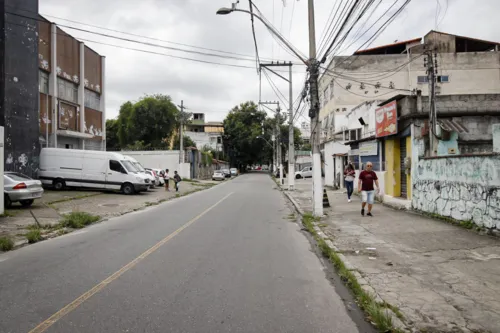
pixel 90 168
pixel 138 166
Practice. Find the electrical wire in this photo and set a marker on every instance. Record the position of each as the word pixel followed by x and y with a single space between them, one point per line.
pixel 128 33
pixel 328 26
pixel 330 32
pixel 257 60
pixel 291 19
pixel 276 90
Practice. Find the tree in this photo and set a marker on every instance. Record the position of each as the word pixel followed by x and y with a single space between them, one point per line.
pixel 151 120
pixel 187 142
pixel 112 140
pixel 242 127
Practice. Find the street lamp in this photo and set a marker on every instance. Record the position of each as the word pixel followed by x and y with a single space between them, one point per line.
pixel 226 10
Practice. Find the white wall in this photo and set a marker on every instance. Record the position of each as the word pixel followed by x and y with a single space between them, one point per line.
pixel 202 139
pixel 332 148
pixel 158 159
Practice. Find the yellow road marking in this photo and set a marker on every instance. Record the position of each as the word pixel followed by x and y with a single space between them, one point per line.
pixel 42 327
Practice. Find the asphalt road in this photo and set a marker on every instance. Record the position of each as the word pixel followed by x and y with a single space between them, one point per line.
pixel 222 260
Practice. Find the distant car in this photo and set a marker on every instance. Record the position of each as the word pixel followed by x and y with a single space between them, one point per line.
pixel 20 188
pixel 152 176
pixel 233 172
pixel 218 175
pixel 226 172
pixel 304 173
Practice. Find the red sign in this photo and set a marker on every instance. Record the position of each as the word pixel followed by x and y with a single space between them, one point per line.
pixel 386 120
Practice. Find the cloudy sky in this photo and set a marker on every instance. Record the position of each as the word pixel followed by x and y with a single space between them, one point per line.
pixel 214 88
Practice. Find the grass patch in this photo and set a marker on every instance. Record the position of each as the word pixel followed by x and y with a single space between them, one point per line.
pixel 377 312
pixel 323 225
pixel 78 220
pixel 464 224
pixel 34 236
pixel 7 213
pixel 147 203
pixel 6 243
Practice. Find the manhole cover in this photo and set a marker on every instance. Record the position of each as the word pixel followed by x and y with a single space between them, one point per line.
pixel 110 205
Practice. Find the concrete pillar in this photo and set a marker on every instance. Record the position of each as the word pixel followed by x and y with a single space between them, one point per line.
pixel 81 91
pixel 103 101
pixel 53 82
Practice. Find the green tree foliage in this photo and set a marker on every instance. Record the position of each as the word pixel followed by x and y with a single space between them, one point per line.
pixel 148 122
pixel 187 142
pixel 248 135
pixel 112 141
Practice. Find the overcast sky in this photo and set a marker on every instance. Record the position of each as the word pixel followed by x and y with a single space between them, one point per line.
pixel 215 89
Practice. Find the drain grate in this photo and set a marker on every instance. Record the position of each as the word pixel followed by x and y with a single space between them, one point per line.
pixel 110 205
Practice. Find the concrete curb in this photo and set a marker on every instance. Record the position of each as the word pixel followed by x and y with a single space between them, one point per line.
pixel 397 323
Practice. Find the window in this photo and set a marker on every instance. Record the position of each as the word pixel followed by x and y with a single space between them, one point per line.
pixel 358 133
pixel 325 96
pixel 43 82
pixel 69 146
pixel 67 91
pixel 92 100
pixel 443 78
pixel 115 166
pixel 213 139
pixel 331 88
pixel 422 79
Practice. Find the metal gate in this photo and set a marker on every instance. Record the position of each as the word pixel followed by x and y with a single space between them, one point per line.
pixel 402 149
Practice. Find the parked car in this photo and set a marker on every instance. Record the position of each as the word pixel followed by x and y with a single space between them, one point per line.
pixel 226 172
pixel 218 175
pixel 20 188
pixel 142 170
pixel 63 168
pixel 304 173
pixel 160 173
pixel 233 172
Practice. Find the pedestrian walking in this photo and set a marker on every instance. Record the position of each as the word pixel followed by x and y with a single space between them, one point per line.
pixel 350 175
pixel 167 180
pixel 177 180
pixel 365 185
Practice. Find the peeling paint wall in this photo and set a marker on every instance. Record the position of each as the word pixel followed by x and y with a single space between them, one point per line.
pixel 463 188
pixel 20 104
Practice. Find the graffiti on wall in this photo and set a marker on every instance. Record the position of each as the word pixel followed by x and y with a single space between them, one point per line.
pixel 465 188
pixel 470 170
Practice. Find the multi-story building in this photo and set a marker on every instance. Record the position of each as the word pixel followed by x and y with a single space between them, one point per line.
pixel 205 133
pixel 72 94
pixel 51 88
pixel 464 66
pixel 353 86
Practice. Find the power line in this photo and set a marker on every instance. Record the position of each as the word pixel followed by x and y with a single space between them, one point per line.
pixel 330 19
pixel 337 20
pixel 254 38
pixel 127 33
pixel 276 90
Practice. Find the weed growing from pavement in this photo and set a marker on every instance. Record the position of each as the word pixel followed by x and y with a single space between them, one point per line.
pixel 78 220
pixel 34 236
pixel 377 312
pixel 6 243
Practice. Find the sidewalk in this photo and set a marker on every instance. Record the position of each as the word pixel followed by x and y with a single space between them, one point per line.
pixel 443 278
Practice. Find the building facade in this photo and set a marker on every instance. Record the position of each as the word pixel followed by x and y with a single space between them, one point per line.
pixel 464 66
pixel 205 134
pixel 72 91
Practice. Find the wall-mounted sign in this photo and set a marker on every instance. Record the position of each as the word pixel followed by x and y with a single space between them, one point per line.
pixel 353 152
pixel 386 120
pixel 368 148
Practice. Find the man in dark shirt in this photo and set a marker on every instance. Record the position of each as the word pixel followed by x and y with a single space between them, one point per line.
pixel 365 186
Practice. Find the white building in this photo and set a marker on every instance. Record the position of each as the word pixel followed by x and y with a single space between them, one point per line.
pixel 205 134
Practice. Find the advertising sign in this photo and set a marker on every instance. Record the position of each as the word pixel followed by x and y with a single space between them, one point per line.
pixel 386 120
pixel 368 148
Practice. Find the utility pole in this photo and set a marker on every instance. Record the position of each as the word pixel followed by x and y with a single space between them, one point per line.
pixel 431 77
pixel 314 114
pixel 291 134
pixel 184 116
pixel 275 135
pixel 278 142
pixel 181 135
pixel 291 146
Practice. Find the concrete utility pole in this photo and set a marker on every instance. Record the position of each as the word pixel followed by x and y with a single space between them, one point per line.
pixel 314 114
pixel 184 116
pixel 291 146
pixel 431 77
pixel 278 141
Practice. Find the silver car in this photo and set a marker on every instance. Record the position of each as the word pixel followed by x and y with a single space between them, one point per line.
pixel 20 188
pixel 218 175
